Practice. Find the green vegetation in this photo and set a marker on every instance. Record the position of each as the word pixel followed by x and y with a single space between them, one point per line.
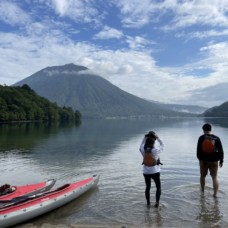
pixel 23 104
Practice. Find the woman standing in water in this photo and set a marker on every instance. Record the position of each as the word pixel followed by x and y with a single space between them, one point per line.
pixel 151 164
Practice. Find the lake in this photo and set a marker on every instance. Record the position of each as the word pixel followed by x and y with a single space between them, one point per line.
pixel 32 153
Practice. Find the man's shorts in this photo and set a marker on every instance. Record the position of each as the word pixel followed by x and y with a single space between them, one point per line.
pixel 207 165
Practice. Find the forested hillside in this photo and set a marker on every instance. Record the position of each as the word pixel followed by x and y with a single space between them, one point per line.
pixel 23 104
pixel 217 111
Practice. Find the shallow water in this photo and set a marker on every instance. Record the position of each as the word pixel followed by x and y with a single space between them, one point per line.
pixel 110 148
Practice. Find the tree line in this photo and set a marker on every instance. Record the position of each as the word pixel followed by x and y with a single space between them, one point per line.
pixel 21 103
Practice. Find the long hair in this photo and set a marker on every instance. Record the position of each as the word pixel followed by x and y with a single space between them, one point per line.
pixel 149 144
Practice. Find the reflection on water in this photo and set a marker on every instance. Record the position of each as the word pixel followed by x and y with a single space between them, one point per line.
pixel 25 136
pixel 153 217
pixel 32 153
pixel 223 122
pixel 209 213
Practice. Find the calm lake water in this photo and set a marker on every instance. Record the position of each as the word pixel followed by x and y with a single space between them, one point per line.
pixel 33 153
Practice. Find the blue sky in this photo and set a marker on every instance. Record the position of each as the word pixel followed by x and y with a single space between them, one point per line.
pixel 172 51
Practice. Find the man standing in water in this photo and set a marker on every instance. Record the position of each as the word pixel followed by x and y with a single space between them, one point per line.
pixel 209 153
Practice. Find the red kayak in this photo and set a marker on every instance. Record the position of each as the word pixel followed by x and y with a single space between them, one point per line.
pixel 23 208
pixel 11 192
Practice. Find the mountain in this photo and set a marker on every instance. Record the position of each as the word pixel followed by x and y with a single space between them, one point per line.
pixel 75 86
pixel 217 111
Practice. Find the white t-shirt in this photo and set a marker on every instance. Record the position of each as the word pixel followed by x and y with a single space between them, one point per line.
pixel 155 151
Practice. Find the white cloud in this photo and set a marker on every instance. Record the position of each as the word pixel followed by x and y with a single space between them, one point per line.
pixel 77 10
pixel 200 12
pixel 109 33
pixel 138 43
pixel 181 14
pixel 135 13
pixel 134 69
pixel 61 6
pixel 215 95
pixel 203 34
pixel 134 43
pixel 12 14
pixel 217 57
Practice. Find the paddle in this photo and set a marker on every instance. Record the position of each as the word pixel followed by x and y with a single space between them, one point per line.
pixel 22 199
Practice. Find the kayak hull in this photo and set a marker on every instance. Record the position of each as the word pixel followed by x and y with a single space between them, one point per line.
pixel 30 209
pixel 29 189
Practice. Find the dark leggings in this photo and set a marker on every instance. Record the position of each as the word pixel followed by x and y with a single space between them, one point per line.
pixel 156 178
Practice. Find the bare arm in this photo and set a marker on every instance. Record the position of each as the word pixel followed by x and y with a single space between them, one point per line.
pixel 160 148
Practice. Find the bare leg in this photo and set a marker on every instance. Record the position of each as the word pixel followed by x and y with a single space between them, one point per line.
pixel 202 182
pixel 215 185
